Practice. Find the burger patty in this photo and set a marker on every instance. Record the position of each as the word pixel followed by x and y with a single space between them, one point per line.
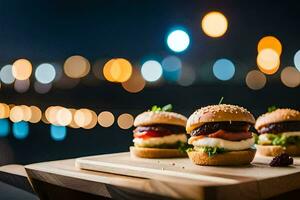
pixel 280 127
pixel 165 128
pixel 212 127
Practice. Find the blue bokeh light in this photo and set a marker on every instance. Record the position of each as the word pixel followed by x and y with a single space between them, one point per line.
pixel 58 133
pixel 171 68
pixel 178 40
pixel 223 69
pixel 20 130
pixel 151 70
pixel 4 127
pixel 297 60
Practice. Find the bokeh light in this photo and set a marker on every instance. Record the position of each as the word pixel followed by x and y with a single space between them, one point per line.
pixel 45 73
pixel 93 121
pixel 290 77
pixel 4 111
pixel 151 70
pixel 188 76
pixel 125 121
pixel 256 80
pixel 270 42
pixel 178 40
pixel 171 68
pixel 6 75
pixel 36 114
pixel 117 70
pixel 20 130
pixel 63 116
pixel 22 86
pixel 58 133
pixel 16 114
pixel 268 61
pixel 42 88
pixel 135 83
pixel 4 127
pixel 106 119
pixel 26 112
pixel 297 60
pixel 73 123
pixel 21 69
pixel 83 117
pixel 214 24
pixel 76 67
pixel 223 69
pixel 51 114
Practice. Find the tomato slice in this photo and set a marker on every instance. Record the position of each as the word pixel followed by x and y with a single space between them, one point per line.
pixel 231 135
pixel 149 134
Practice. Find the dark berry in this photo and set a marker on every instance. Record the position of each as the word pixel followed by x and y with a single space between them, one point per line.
pixel 282 160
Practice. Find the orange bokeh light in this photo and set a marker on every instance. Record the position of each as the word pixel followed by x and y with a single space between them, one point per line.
pixel 270 42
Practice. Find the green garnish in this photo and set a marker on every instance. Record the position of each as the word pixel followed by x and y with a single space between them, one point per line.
pixel 221 100
pixel 272 108
pixel 184 147
pixel 211 151
pixel 166 108
pixel 280 140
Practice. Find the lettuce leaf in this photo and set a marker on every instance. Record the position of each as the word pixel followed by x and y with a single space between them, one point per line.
pixel 281 140
pixel 211 151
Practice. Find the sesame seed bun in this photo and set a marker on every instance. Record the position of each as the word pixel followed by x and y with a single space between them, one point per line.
pixel 274 150
pixel 155 152
pixel 218 113
pixel 279 115
pixel 160 117
pixel 244 157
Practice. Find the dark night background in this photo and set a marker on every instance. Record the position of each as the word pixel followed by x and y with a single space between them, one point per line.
pixel 51 31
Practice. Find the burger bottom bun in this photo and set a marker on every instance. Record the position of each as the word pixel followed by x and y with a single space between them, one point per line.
pixel 155 153
pixel 274 150
pixel 229 158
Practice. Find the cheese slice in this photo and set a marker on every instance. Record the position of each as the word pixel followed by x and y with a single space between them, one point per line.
pixel 221 143
pixel 155 141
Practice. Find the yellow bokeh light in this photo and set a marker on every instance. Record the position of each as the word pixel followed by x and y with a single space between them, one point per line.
pixel 93 121
pixel 117 70
pixel 255 80
pixel 76 67
pixel 51 114
pixel 16 114
pixel 106 119
pixel 83 117
pixel 4 111
pixel 270 42
pixel 36 114
pixel 214 24
pixel 125 121
pixel 290 77
pixel 26 113
pixel 73 123
pixel 135 83
pixel 268 61
pixel 63 116
pixel 21 69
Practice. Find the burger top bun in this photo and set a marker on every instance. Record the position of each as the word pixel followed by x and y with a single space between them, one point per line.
pixel 218 113
pixel 160 117
pixel 279 115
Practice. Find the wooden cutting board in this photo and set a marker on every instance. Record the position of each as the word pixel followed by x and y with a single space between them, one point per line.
pixel 254 181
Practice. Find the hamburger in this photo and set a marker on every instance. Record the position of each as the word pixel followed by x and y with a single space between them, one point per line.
pixel 279 131
pixel 220 135
pixel 159 133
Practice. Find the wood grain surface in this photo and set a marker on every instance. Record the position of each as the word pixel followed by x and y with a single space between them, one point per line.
pixel 119 176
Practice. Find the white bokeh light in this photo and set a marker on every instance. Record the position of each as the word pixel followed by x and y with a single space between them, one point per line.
pixel 6 75
pixel 45 73
pixel 151 70
pixel 178 40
